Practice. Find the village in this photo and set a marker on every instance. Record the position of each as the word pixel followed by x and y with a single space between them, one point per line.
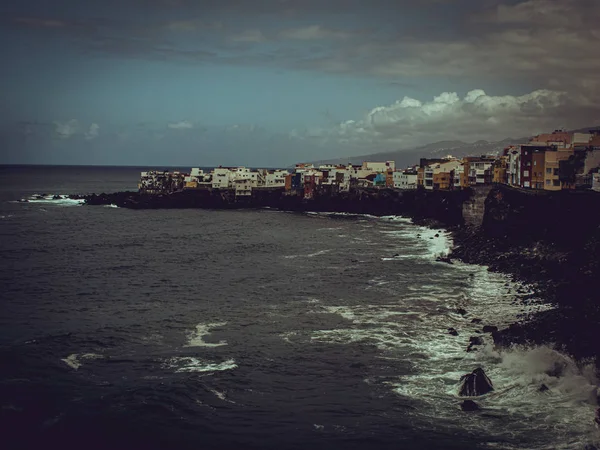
pixel 555 161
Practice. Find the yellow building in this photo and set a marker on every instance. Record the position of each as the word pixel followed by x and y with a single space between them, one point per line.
pixel 551 164
pixel 442 180
pixel 500 170
pixel 420 176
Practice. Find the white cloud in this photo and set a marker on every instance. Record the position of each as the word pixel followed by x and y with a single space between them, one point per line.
pixel 67 129
pixel 183 125
pixel 92 132
pixel 312 32
pixel 410 122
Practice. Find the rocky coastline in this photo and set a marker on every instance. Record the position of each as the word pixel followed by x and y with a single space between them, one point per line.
pixel 549 239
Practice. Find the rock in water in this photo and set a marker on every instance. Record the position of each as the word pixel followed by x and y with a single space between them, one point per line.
pixel 452 331
pixel 469 405
pixel 489 328
pixel 475 383
pixel 543 388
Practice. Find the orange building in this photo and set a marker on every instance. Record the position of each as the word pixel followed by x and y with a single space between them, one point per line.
pixel 442 180
pixel 538 158
pixel 389 179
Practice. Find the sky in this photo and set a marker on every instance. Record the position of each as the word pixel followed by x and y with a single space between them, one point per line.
pixel 274 82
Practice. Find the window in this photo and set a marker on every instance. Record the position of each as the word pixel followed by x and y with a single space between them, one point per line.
pixel 535 163
pixel 526 173
pixel 548 182
pixel 556 172
pixel 549 171
pixel 556 182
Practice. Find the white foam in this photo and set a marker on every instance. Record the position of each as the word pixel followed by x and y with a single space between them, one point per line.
pixel 111 206
pixel 564 413
pixel 63 200
pixel 193 364
pixel 196 338
pixel 310 255
pixel 73 360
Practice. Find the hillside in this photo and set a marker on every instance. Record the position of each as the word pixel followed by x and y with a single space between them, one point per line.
pixel 408 157
pixel 411 156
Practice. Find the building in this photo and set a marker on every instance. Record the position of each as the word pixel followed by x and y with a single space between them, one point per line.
pixel 477 170
pixel 406 179
pixel 276 178
pixel 379 167
pixel 500 170
pixel 380 179
pixel 443 180
pixel 553 157
pixel 157 182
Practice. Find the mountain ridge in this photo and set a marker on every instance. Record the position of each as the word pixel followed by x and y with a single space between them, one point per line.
pixel 410 156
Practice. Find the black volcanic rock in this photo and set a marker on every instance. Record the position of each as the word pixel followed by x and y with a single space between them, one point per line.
pixel 452 332
pixel 469 405
pixel 475 384
pixel 489 329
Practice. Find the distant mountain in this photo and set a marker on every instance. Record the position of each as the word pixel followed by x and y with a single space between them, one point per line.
pixel 409 157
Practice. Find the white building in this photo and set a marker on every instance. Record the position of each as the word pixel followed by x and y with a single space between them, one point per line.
pixel 514 167
pixel 596 181
pixel 405 180
pixel 276 178
pixel 379 167
pixel 222 178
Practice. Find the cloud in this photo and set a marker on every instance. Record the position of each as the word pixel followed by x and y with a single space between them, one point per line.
pixel 37 22
pixel 92 132
pixel 313 32
pixel 183 125
pixel 253 35
pixel 477 115
pixel 67 129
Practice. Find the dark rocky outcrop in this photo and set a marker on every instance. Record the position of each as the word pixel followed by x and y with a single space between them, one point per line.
pixel 469 405
pixel 475 384
pixel 551 240
pixel 425 207
pixel 543 388
pixel 489 329
pixel 452 332
pixel 475 340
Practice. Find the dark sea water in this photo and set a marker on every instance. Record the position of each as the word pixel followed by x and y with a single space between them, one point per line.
pixel 255 329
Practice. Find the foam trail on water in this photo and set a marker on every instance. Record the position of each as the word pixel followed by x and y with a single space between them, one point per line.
pixel 74 359
pixel 196 338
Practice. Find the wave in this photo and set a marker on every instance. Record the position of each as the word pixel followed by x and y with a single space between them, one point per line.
pixel 413 329
pixel 57 199
pixel 193 364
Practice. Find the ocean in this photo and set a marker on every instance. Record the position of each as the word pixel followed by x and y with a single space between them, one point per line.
pixel 257 329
